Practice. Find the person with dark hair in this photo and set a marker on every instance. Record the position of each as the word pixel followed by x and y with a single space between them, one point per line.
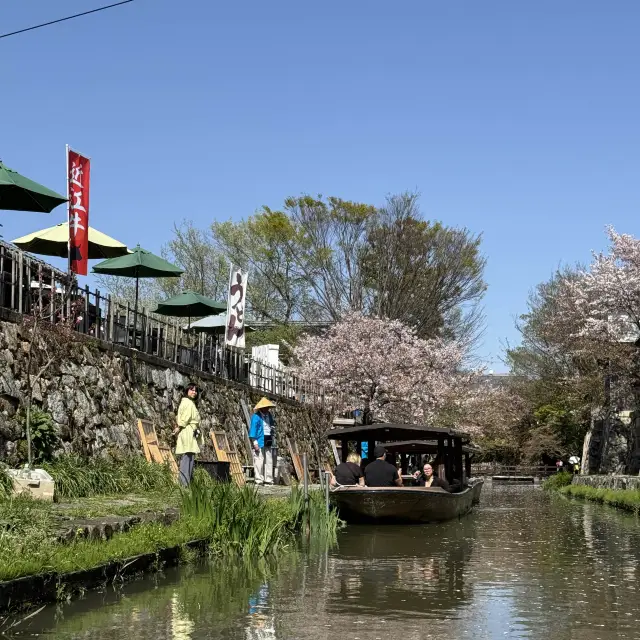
pixel 379 473
pixel 428 479
pixel 188 431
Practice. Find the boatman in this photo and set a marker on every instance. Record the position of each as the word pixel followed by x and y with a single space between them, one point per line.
pixel 379 473
pixel 261 435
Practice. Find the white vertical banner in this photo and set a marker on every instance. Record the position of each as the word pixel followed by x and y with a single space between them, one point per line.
pixel 234 336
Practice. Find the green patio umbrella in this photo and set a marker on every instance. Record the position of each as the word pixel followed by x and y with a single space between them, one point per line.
pixel 18 193
pixel 190 304
pixel 138 264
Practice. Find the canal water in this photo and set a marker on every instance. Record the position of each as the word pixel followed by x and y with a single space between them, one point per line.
pixel 523 565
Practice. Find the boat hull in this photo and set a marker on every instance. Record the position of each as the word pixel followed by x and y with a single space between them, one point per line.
pixel 403 504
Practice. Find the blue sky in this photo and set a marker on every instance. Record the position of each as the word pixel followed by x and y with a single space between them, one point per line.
pixel 517 120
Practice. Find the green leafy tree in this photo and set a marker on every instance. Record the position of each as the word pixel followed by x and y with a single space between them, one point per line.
pixel 425 274
pixel 264 244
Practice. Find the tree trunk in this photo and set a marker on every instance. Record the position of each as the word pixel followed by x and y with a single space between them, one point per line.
pixel 28 427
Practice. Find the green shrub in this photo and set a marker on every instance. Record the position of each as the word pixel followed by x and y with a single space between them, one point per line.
pixel 558 480
pixel 44 437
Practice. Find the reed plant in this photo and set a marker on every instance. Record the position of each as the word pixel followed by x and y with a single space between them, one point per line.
pixel 242 521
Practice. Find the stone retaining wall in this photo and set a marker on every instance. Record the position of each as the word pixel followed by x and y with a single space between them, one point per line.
pixel 97 391
pixel 608 482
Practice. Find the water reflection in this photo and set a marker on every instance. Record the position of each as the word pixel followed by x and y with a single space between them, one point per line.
pixel 524 565
pixel 402 571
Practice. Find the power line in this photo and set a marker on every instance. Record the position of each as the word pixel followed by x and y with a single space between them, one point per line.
pixel 77 15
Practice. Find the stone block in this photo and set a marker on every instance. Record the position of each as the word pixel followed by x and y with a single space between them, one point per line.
pixel 36 482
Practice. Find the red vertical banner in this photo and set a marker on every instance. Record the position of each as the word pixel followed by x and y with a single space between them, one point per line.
pixel 78 190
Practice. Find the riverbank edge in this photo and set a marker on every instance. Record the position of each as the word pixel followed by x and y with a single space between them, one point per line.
pixel 23 593
pixel 565 484
pixel 625 499
pixel 191 537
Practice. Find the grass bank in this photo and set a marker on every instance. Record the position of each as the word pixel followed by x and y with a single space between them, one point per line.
pixel 231 520
pixel 78 477
pixel 627 499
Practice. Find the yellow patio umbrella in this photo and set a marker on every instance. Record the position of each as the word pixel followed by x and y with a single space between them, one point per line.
pixel 54 242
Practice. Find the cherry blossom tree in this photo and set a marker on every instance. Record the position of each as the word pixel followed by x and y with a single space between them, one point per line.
pixel 604 300
pixel 600 310
pixel 383 366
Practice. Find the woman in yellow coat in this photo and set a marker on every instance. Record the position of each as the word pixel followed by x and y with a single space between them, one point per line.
pixel 188 420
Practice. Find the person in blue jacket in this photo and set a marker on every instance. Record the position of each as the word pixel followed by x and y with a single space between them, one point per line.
pixel 261 434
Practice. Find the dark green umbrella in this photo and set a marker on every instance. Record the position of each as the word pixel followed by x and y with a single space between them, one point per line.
pixel 18 193
pixel 138 264
pixel 190 304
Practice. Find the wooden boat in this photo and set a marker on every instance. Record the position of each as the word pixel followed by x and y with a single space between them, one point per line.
pixel 453 453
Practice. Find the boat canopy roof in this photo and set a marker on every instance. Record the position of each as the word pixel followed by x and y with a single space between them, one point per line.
pixel 423 446
pixel 389 432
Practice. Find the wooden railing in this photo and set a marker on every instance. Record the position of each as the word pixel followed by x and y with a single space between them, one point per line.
pixel 30 286
pixel 511 471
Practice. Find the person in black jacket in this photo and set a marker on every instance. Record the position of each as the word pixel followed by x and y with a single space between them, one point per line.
pixel 428 479
pixel 349 472
pixel 379 473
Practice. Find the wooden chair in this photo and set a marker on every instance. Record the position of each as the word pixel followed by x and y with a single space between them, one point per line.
pixel 224 454
pixel 154 451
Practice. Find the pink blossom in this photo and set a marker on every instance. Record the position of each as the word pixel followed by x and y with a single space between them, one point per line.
pixel 383 365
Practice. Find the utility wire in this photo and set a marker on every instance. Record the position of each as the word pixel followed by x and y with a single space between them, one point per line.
pixel 77 15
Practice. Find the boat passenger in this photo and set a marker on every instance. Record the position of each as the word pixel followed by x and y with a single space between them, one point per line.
pixel 379 473
pixel 428 479
pixel 349 472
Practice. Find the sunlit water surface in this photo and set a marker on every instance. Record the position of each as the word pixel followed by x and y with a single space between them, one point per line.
pixel 523 565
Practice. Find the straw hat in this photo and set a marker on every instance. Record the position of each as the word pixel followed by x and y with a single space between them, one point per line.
pixel 264 404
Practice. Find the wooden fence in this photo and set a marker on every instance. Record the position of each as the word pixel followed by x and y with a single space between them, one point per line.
pixel 511 471
pixel 30 286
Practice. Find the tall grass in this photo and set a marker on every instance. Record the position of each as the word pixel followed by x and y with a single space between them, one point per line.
pixel 26 527
pixel 627 499
pixel 6 483
pixel 78 477
pixel 241 521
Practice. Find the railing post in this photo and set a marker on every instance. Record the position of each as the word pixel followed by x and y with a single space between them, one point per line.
pixel 127 337
pixel 86 309
pixel 110 328
pixel 327 479
pixel 143 333
pixel 20 283
pixel 52 298
pixel 165 337
pixel 98 314
pixel 39 289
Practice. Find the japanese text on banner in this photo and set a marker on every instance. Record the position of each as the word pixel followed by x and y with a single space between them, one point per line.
pixel 235 308
pixel 78 190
